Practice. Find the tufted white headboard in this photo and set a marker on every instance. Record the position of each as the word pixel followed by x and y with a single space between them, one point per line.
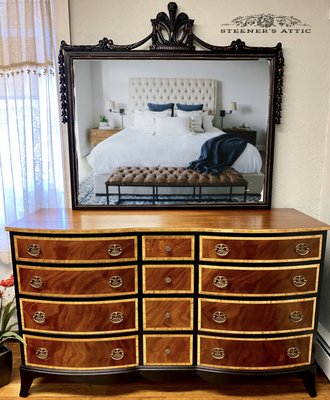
pixel 172 90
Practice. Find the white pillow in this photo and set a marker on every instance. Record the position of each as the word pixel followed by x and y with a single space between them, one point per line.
pixel 172 126
pixel 196 120
pixel 208 121
pixel 145 120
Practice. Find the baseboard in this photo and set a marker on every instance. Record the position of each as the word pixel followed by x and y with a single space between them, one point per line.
pixel 322 355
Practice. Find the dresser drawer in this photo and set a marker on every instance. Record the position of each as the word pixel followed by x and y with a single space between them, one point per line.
pixel 75 250
pixel 258 281
pixel 168 247
pixel 167 349
pixel 256 316
pixel 254 354
pixel 168 278
pixel 80 354
pixel 260 249
pixel 77 282
pixel 170 313
pixel 79 317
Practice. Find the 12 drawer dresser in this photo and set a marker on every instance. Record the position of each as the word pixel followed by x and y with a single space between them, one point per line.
pixel 105 296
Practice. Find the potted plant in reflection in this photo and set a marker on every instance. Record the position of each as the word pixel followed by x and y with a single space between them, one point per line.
pixel 103 121
pixel 7 331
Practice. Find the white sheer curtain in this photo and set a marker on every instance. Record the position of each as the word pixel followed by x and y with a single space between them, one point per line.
pixel 31 164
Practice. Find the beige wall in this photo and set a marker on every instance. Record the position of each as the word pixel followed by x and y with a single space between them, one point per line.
pixel 302 146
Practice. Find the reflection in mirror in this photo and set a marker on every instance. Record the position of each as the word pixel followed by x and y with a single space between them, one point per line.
pixel 104 87
pixel 172 126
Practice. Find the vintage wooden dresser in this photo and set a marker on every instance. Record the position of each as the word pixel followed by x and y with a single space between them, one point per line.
pixel 104 296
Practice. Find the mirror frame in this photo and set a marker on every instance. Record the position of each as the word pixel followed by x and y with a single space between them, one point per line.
pixel 172 37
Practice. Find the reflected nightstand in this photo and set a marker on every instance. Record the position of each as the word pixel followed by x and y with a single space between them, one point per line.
pixel 249 135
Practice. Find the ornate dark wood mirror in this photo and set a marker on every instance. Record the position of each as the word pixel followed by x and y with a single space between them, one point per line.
pixel 189 124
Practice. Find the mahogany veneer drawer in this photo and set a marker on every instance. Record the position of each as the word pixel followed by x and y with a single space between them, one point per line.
pixel 77 282
pixel 168 278
pixel 168 247
pixel 75 250
pixel 171 313
pixel 167 349
pixel 256 316
pixel 79 354
pixel 254 354
pixel 79 317
pixel 261 249
pixel 258 281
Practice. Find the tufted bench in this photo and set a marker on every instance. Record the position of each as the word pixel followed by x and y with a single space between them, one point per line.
pixel 156 177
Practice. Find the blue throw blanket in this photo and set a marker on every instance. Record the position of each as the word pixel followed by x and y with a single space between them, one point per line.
pixel 218 153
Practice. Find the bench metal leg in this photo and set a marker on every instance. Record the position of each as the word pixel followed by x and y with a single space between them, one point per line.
pixel 107 191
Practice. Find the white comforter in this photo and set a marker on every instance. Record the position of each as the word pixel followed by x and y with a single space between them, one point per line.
pixel 133 147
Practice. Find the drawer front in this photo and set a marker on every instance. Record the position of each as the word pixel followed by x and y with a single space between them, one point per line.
pixel 79 317
pixel 168 247
pixel 256 316
pixel 77 282
pixel 167 349
pixel 75 250
pixel 268 281
pixel 254 354
pixel 81 354
pixel 172 314
pixel 261 249
pixel 168 278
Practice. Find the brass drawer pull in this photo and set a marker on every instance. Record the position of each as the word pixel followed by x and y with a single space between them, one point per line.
pixel 221 249
pixel 117 354
pixel 42 353
pixel 115 281
pixel 167 315
pixel 168 280
pixel 302 249
pixel 167 351
pixel 115 250
pixel 36 282
pixel 34 250
pixel 293 352
pixel 219 317
pixel 220 281
pixel 116 317
pixel 296 316
pixel 39 317
pixel 299 280
pixel 218 353
pixel 168 249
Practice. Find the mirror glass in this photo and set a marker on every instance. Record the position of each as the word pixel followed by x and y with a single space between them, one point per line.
pixel 172 126
pixel 103 87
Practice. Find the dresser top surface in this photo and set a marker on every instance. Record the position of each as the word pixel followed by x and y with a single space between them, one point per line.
pixel 275 220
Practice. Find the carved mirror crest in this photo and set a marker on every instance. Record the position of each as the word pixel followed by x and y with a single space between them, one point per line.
pixel 187 123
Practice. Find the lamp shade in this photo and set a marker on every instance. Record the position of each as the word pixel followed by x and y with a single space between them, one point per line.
pixel 110 105
pixel 233 106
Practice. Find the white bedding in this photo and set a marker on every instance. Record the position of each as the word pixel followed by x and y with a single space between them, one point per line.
pixel 132 147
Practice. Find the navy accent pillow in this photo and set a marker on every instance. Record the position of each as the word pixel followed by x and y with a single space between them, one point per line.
pixel 160 107
pixel 189 107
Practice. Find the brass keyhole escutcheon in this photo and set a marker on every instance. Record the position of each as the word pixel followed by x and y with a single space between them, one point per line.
pixel 168 280
pixel 168 249
pixel 115 281
pixel 36 282
pixel 34 250
pixel 117 354
pixel 220 281
pixel 221 249
pixel 115 250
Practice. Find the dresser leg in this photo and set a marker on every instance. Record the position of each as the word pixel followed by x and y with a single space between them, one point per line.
pixel 27 378
pixel 309 379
